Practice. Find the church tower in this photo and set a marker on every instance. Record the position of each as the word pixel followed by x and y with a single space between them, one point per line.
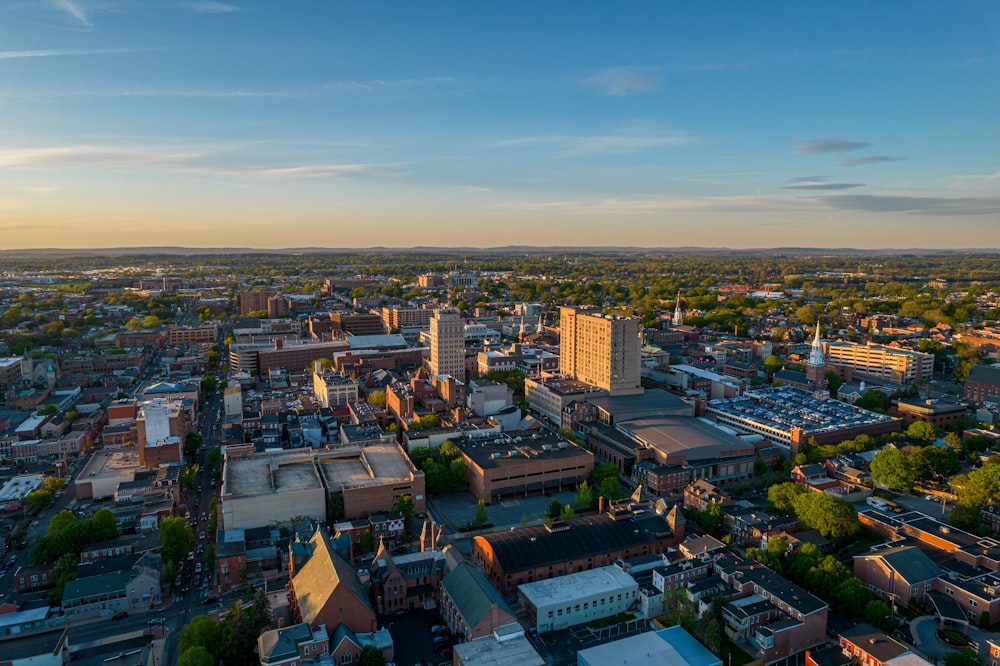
pixel 678 319
pixel 816 366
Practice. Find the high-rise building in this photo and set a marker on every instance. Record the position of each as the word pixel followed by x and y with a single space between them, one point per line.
pixel 879 363
pixel 447 332
pixel 600 350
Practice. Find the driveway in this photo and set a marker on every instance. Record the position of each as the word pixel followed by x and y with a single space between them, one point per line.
pixel 924 630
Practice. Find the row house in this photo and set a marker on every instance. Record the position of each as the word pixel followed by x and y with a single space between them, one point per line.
pixel 29 579
pixel 753 527
pixel 699 494
pixel 661 480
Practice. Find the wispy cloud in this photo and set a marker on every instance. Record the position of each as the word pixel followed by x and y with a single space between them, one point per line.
pixel 73 10
pixel 209 7
pixel 918 205
pixel 179 158
pixel 421 82
pixel 53 53
pixel 622 81
pixel 818 183
pixel 600 144
pixel 829 145
pixel 870 159
pixel 651 205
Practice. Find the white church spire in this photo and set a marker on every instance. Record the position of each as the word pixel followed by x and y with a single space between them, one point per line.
pixel 678 319
pixel 816 353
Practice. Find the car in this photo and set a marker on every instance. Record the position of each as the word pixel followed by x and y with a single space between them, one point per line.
pixel 441 640
pixel 201 550
pixel 178 580
pixel 211 599
pixel 930 498
pixel 120 615
pixel 197 567
pixel 196 581
pixel 156 620
pixel 201 536
pixel 444 651
pixel 438 629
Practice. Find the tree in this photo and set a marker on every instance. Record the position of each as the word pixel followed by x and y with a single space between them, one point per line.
pixel 458 473
pixel 61 522
pixel 334 507
pixel 759 467
pixel 377 398
pixel 192 441
pixel 772 364
pixel 430 421
pixel 196 656
pixel 831 516
pixel 567 513
pixel 208 385
pixel 921 432
pixel 367 543
pixel 964 657
pixel 894 469
pixel 585 496
pixel 404 507
pixel 201 631
pixel 781 497
pixel 260 613
pixel 712 519
pixel 152 321
pixel 371 656
pixel 436 478
pixel 611 488
pixel 554 509
pixel 63 571
pixel 134 324
pixel 878 614
pixel 481 516
pixel 602 472
pixel 190 474
pixel 448 452
pixel 941 461
pixel 176 538
pixel 874 401
pixel 833 381
pixel 103 526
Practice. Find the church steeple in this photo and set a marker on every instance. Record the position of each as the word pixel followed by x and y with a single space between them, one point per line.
pixel 541 324
pixel 816 353
pixel 678 319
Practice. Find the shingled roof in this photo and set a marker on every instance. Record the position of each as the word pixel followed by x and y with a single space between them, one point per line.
pixel 321 574
pixel 530 547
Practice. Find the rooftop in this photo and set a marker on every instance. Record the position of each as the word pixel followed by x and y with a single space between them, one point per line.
pixel 270 473
pixel 672 646
pixel 501 449
pixel 501 648
pixel 565 589
pixel 692 438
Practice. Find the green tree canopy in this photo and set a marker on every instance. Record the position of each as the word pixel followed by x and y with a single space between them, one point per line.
pixel 196 656
pixel 831 516
pixel 893 468
pixel 176 538
pixel 921 432
pixel 781 497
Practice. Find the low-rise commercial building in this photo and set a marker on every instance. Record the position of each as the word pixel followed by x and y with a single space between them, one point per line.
pixel 585 596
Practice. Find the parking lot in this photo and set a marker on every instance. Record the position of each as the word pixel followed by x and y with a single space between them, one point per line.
pixel 411 636
pixel 458 509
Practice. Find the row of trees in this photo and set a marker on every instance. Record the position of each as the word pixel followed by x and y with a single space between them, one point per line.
pixel 45 495
pixel 204 642
pixel 442 466
pixel 67 535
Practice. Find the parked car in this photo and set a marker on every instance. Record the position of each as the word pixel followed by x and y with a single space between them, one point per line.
pixel 197 567
pixel 120 615
pixel 439 629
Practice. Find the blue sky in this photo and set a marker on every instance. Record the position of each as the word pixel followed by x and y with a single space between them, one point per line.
pixel 297 123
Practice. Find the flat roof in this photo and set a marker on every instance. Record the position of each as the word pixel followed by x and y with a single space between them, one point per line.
pixel 786 407
pixel 356 467
pixel 386 341
pixel 20 487
pixel 693 438
pixel 568 588
pixel 7 361
pixel 517 447
pixel 270 473
pixel 672 646
pixel 650 399
pixel 109 464
pixel 488 651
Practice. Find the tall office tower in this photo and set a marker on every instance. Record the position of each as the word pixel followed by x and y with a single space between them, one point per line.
pixel 600 350
pixel 448 344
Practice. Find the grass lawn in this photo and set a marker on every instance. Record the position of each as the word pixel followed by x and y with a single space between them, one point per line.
pixel 610 621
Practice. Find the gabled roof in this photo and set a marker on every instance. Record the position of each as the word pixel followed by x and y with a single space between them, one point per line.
pixel 909 562
pixel 280 644
pixel 472 594
pixel 324 572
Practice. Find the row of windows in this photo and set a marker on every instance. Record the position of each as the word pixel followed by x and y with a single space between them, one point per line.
pixel 586 604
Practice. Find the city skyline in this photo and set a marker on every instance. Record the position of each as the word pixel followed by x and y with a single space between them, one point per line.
pixel 217 124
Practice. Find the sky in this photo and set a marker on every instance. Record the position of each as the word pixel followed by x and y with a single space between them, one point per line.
pixel 300 123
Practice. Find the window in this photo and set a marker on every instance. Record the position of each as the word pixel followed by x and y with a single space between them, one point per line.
pixel 347 658
pixel 949 591
pixel 972 602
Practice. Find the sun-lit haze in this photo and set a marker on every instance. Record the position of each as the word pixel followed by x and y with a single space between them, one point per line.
pixel 287 124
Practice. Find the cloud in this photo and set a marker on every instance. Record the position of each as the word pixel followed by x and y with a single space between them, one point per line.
pixel 652 205
pixel 421 82
pixel 870 159
pixel 818 183
pixel 829 145
pixel 622 81
pixel 918 205
pixel 476 188
pixel 50 53
pixel 73 10
pixel 599 144
pixel 180 158
pixel 209 7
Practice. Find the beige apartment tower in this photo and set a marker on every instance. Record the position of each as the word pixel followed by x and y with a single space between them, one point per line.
pixel 600 350
pixel 448 344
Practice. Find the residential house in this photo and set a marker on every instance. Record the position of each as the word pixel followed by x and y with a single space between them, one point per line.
pixel 292 646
